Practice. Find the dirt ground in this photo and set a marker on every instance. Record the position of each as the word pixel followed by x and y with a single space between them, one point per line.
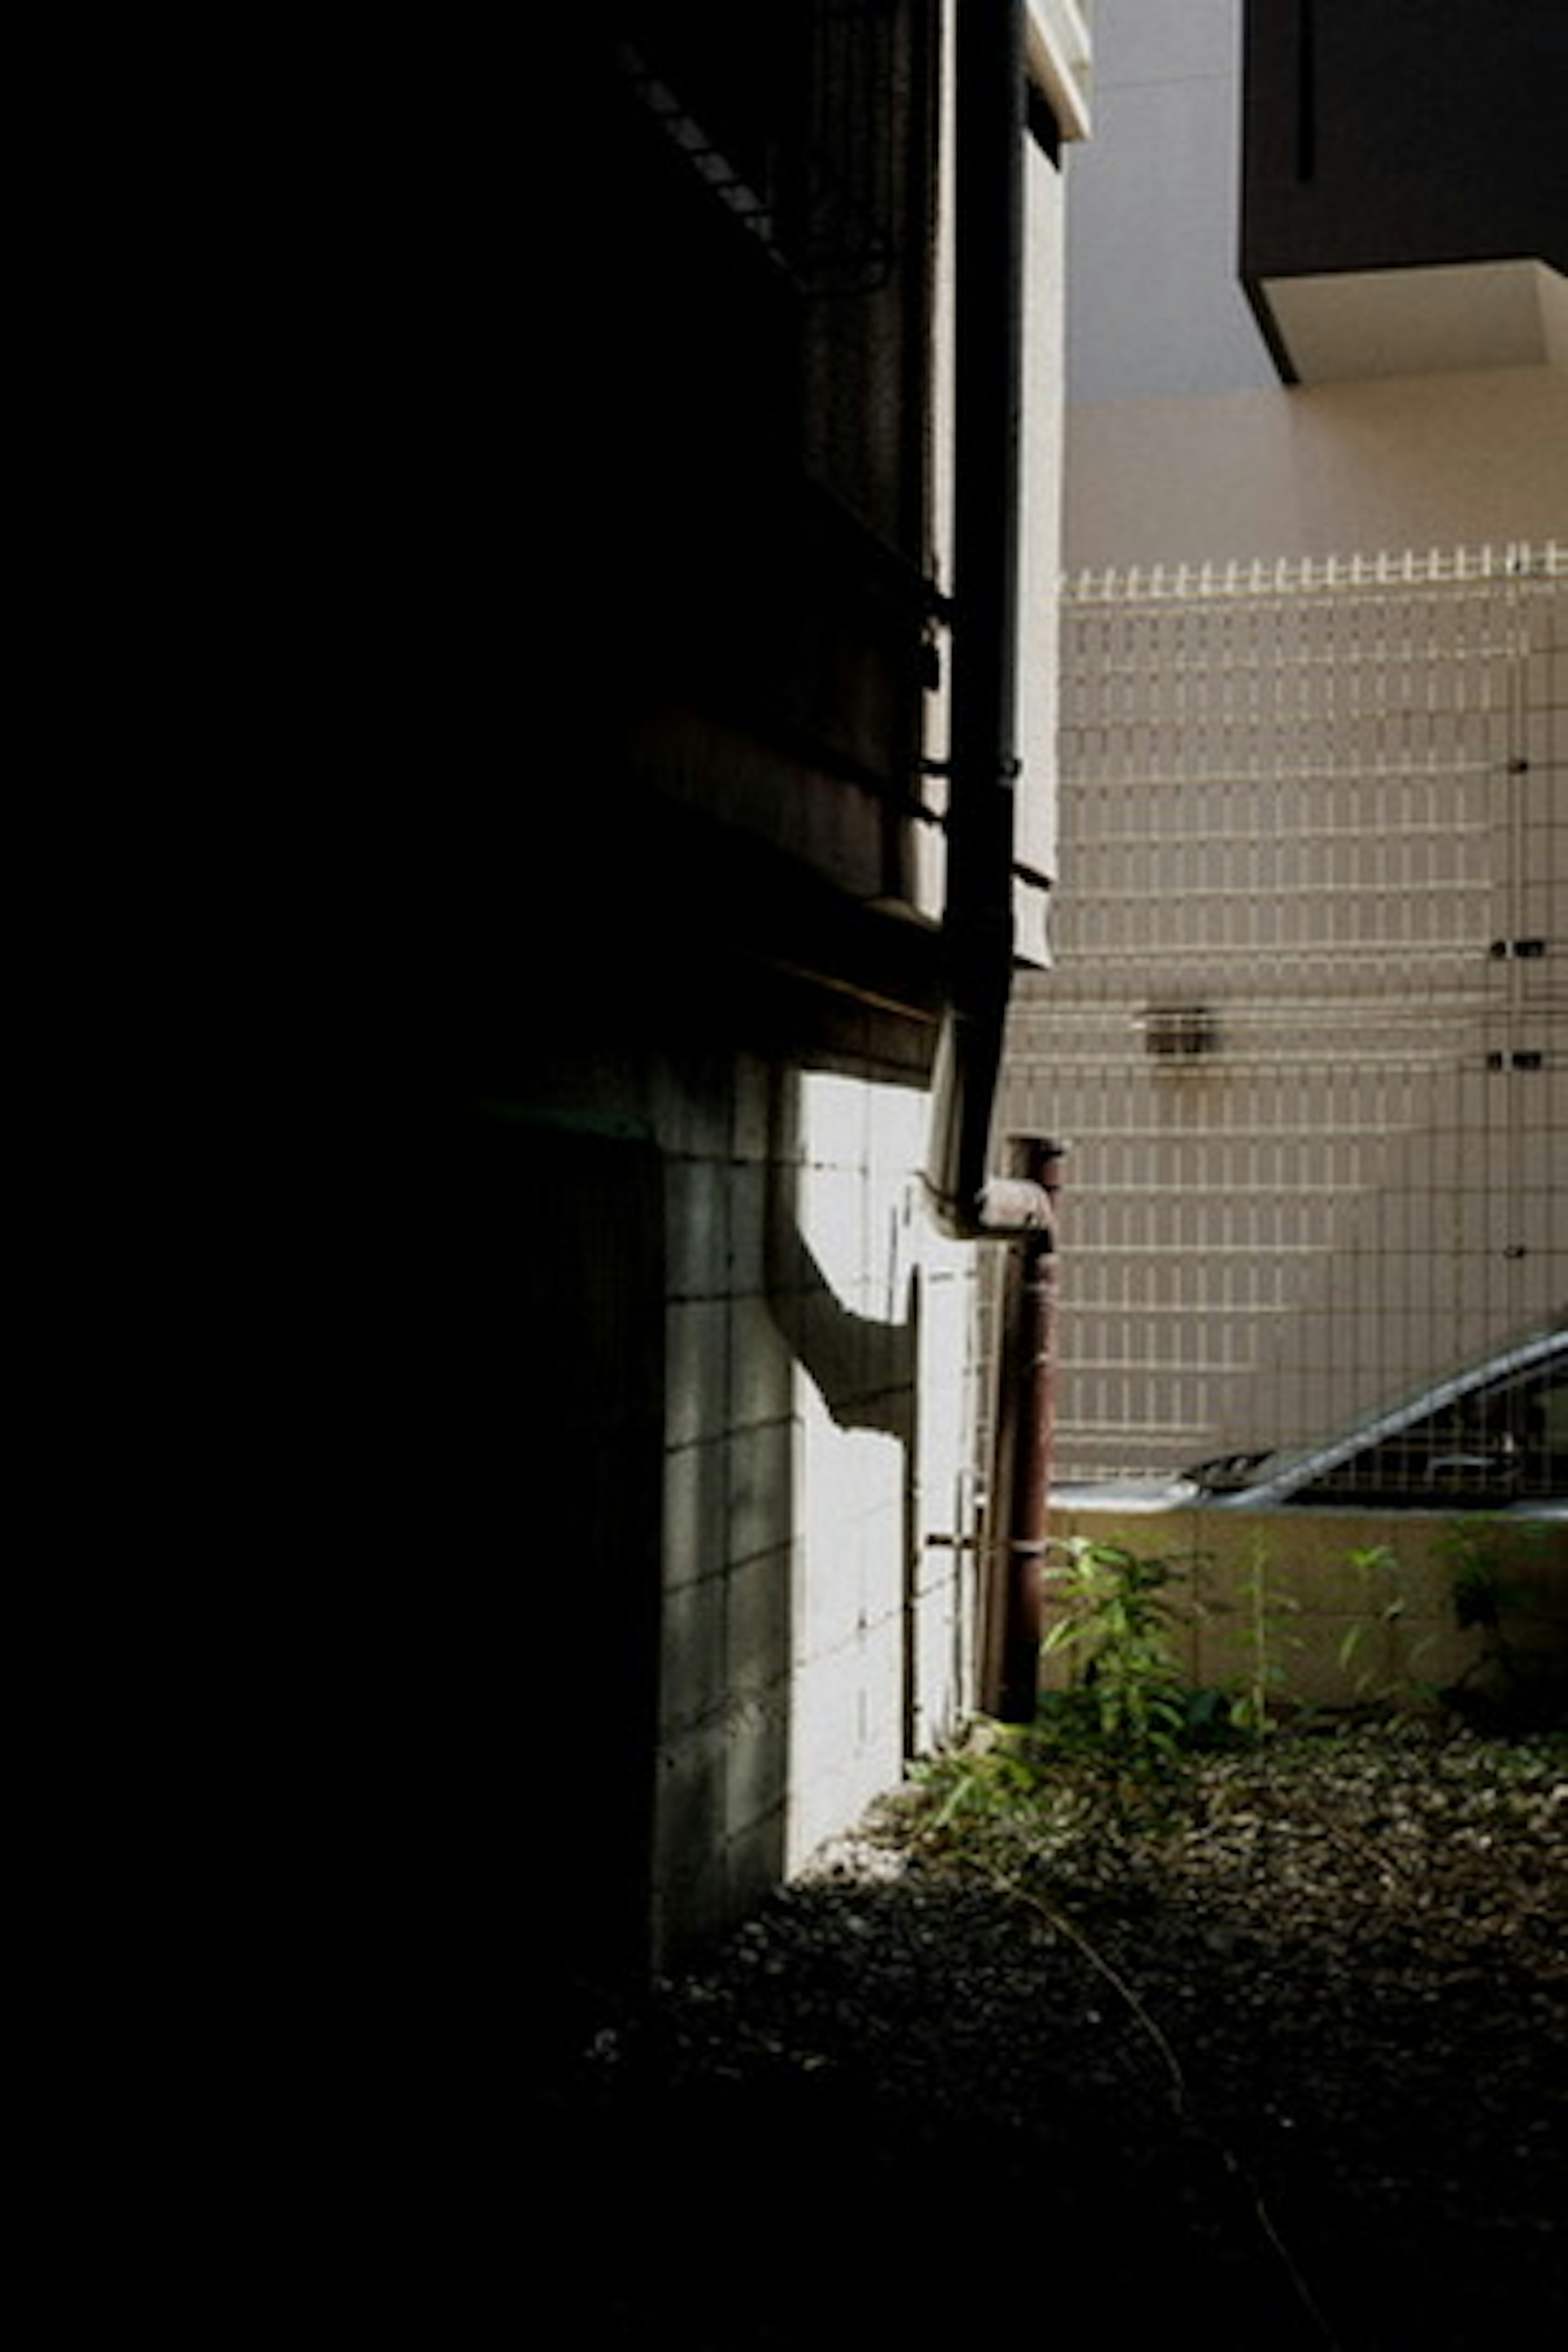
pixel 1280 2063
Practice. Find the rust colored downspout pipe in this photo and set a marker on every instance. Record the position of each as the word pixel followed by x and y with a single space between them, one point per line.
pixel 1026 1414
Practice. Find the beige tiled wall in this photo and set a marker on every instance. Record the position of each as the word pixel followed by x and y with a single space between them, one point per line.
pixel 1321 807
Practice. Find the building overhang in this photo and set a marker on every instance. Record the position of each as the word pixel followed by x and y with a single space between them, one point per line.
pixel 1331 326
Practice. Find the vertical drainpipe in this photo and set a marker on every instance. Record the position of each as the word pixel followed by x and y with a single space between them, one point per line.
pixel 983 756
pixel 968 1200
pixel 1025 1415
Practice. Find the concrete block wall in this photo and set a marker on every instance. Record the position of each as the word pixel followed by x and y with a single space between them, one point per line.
pixel 1338 1609
pixel 820 1369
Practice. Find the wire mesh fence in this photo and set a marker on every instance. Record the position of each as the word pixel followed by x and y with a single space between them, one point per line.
pixel 1305 1029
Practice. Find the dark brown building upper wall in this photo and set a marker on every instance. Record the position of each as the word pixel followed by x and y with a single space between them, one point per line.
pixel 1406 134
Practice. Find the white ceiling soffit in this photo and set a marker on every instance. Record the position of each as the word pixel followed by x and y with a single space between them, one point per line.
pixel 1372 322
pixel 1059 55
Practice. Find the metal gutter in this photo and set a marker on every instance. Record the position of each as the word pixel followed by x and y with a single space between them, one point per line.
pixel 967 1200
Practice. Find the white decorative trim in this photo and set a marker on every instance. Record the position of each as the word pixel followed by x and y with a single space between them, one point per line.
pixel 1061 59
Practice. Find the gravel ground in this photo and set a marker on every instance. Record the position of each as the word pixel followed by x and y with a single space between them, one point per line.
pixel 1282 2063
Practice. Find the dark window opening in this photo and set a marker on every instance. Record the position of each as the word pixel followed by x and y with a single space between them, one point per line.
pixel 788 112
pixel 1181 1033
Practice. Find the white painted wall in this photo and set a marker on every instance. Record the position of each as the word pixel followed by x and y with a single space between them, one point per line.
pixel 1154 307
pixel 821 1369
pixel 1469 459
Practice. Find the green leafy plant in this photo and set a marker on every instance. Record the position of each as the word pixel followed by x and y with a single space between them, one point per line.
pixel 1116 1625
pixel 1269 1612
pixel 984 1780
pixel 1366 1648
